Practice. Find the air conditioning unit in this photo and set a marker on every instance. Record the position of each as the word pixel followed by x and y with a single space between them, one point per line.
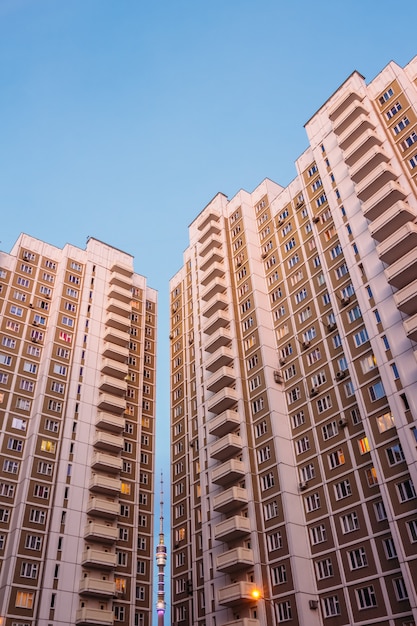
pixel 313 604
pixel 340 375
pixel 282 361
pixel 345 301
pixel 264 255
pixel 35 323
pixel 313 392
pixel 239 263
pixel 34 340
pixel 277 376
pixel 31 305
pixel 331 327
pixel 303 485
pixel 48 296
pixel 305 344
pixel 316 219
pixel 171 337
pixel 343 422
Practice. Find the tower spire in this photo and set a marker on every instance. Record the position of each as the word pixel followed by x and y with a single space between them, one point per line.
pixel 161 559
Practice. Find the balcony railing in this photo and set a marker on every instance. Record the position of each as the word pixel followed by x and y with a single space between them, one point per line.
pixel 232 528
pixel 103 508
pixel 230 500
pixel 235 594
pixel 99 558
pixel 398 244
pixel 104 484
pixel 224 423
pixel 90 617
pixel 108 421
pixel 235 560
pixel 391 220
pixel 226 447
pixel 90 586
pixel 228 472
pixel 94 531
pixel 222 400
pixel 106 462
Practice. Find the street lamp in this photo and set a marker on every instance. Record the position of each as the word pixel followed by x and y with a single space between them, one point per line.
pixel 257 595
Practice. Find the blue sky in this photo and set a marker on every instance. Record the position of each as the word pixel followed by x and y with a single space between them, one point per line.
pixel 121 119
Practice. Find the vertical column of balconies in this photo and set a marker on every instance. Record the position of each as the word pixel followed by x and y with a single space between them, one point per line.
pixel 99 559
pixel 226 467
pixel 384 201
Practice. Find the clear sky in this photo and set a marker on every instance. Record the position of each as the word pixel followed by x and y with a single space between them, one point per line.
pixel 121 119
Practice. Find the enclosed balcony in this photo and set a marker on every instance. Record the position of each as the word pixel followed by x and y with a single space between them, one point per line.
pixel 410 326
pixel 101 507
pixel 406 298
pixel 235 560
pixel 99 483
pixel 353 111
pixel 220 338
pixel 115 386
pixel 118 292
pixel 383 199
pixel 223 377
pixel 118 321
pixel 232 528
pixel 224 423
pixel 389 222
pixel 231 471
pixel 218 303
pixel 114 368
pixel 118 307
pixel 112 423
pixel 212 242
pixel 219 286
pixel 121 281
pixel 398 244
pixel 226 447
pixel 230 500
pixel 212 228
pixel 358 127
pixel 382 174
pixel 106 463
pixel 342 105
pixel 361 146
pixel 90 617
pixel 235 594
pixel 220 320
pixel 368 163
pixel 103 533
pixel 221 401
pixel 117 352
pixel 90 586
pixel 215 271
pixel 215 255
pixel 99 558
pixel 403 271
pixel 221 358
pixel 109 442
pixel 111 403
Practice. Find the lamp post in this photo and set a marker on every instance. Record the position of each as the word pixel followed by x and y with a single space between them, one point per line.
pixel 257 595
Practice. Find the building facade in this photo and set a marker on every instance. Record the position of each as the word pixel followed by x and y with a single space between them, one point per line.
pixel 294 381
pixel 77 409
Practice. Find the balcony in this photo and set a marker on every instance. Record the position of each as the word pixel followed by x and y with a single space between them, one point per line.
pixel 113 404
pixel 235 560
pixel 229 472
pixel 220 320
pixel 380 176
pixel 230 500
pixel 109 442
pixel 353 111
pixel 118 307
pixel 209 216
pixel 122 293
pixel 90 586
pixel 117 352
pixel 361 146
pixel 220 338
pixel 221 401
pixel 214 256
pixel 406 298
pixel 119 337
pixel 215 271
pixel 383 199
pixel 104 484
pixel 115 386
pixel 233 528
pixel 117 321
pixel 114 368
pixel 235 594
pixel 113 423
pixel 212 228
pixel 410 326
pixel 389 222
pixel 108 509
pixel 221 358
pixel 89 617
pixel 245 621
pixel 367 164
pixel 352 133
pixel 226 447
pixel 403 271
pixel 223 377
pixel 398 244
pixel 224 423
pixel 218 303
pixel 210 244
pixel 99 558
pixel 125 270
pixel 219 286
pixel 106 463
pixel 343 103
pixel 101 532
pixel 121 281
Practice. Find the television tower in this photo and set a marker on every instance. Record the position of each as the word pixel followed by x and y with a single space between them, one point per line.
pixel 161 559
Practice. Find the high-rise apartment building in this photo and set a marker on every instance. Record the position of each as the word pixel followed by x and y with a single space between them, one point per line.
pixel 77 409
pixel 294 381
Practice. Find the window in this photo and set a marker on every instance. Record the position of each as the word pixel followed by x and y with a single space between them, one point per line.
pixel 298 419
pixel 330 606
pixel 366 597
pixel 357 558
pixel 406 490
pixel 270 510
pixel 267 481
pixel 264 454
pixel 302 445
pixel 119 613
pixel 324 403
pixel 386 96
pixel 400 589
pixel 279 575
pixel 48 446
pixel 284 611
pixel 11 467
pixel 412 529
pixel 380 512
pixel 293 395
pixel 361 337
pixel 18 423
pixel 261 429
pixel 274 541
pixel 376 391
pixel 324 569
pixel 364 446
pixel 41 491
pixel 312 502
pixel 329 430
pixel 33 542
pixel 24 599
pixel 389 548
pixel 342 489
pixel 398 128
pixel 349 522
pixel 318 534
pixel 290 244
pixel 395 454
pixel 300 296
pixel 385 422
pixel 336 458
pixel 29 570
